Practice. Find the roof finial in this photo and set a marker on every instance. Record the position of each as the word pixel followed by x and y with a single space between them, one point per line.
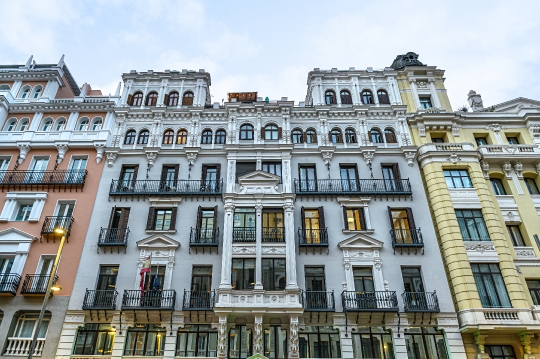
pixel 61 62
pixel 118 89
pixel 29 62
pixel 83 89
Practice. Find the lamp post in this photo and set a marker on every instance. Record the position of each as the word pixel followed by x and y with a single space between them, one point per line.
pixel 50 283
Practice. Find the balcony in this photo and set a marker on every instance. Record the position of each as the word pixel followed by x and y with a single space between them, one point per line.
pixel 273 234
pixel 509 152
pixel 36 283
pixel 51 224
pixel 244 234
pixel 9 283
pixel 21 346
pixel 149 299
pixel 100 299
pixel 380 301
pixel 198 300
pixel 360 186
pixel 407 238
pixel 317 301
pixel 113 237
pixel 165 188
pixel 421 302
pixel 204 237
pixel 23 180
pixel 313 237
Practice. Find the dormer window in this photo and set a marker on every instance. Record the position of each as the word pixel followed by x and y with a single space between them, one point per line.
pixel 425 102
pixel 346 98
pixel 330 97
pixel 367 97
pixel 187 99
pixel 151 99
pixel 137 99
pixel 382 95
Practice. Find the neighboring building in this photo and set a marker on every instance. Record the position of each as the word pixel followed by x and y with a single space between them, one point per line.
pixel 52 139
pixel 261 227
pixel 480 171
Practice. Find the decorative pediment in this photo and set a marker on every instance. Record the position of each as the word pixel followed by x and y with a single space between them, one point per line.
pixel 258 182
pixel 516 105
pixel 14 235
pixel 158 242
pixel 360 241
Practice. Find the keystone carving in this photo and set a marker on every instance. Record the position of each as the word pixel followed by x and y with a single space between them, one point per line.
pixel 518 167
pixel 409 156
pixel 151 157
pixel 454 158
pixel 62 149
pixel 111 157
pixel 368 156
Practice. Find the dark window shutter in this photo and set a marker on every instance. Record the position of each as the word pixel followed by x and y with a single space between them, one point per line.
pixel 410 218
pixel 345 222
pixel 330 136
pixel 215 217
pixel 130 100
pixel 315 137
pixel 304 136
pixel 280 132
pixel 151 218
pixel 199 217
pixel 303 216
pixel 340 137
pixel 218 172
pixel 173 218
pixel 164 173
pixel 262 132
pixel 203 173
pixel 395 169
pixel 124 217
pixel 390 217
pixel 112 217
pixel 369 135
pixel 166 100
pixel 135 172
pixel 363 218
pixel 322 225
pixel 176 170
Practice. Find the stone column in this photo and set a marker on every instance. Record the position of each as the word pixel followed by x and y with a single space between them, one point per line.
pixel 374 89
pixel 338 97
pixel 169 349
pixel 414 93
pixel 345 339
pixel 434 94
pixel 181 94
pixel 226 260
pixel 526 343
pixel 258 244
pixel 258 347
pixel 293 338
pixel 480 340
pixel 15 88
pixel 290 248
pixel 400 347
pixel 35 121
pixel 222 338
pixel 3 113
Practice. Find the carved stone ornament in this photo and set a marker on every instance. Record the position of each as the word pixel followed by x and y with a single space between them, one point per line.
pixel 327 156
pixel 485 169
pixel 454 158
pixel 273 250
pixel 479 247
pixel 222 338
pixel 62 148
pixel 495 127
pixel 257 337
pixel 151 158
pixel 191 157
pixel 100 149
pixel 243 250
pixel 111 157
pixel 518 167
pixel 455 131
pixel 525 253
pixel 293 342
pixel 526 344
pixel 409 156
pixel 422 131
pixel 507 168
pixel 480 340
pixel 23 151
pixel 368 156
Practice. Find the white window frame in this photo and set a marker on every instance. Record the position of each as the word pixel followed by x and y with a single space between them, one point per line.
pixel 79 124
pixel 22 318
pixel 61 202
pixel 23 122
pixel 16 243
pixel 43 124
pixel 15 199
pixel 9 122
pixel 94 122
pixel 42 259
pixel 77 157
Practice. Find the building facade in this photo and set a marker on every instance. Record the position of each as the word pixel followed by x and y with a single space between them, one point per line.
pixel 261 227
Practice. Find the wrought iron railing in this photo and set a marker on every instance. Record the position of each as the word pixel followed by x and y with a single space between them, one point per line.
pixel 360 186
pixel 100 299
pixel 369 301
pixel 179 187
pixel 318 301
pixel 65 178
pixel 244 234
pixel 198 300
pixel 420 301
pixel 273 234
pixel 313 237
pixel 51 224
pixel 36 283
pixel 407 237
pixel 149 299
pixel 113 236
pixel 9 283
pixel 204 236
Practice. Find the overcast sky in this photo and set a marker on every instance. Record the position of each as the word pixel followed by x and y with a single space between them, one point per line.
pixel 492 47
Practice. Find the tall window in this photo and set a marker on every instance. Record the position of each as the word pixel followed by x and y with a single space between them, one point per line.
pixel 500 351
pixel 490 285
pixel 221 136
pixel 154 281
pixel 390 136
pixel 363 279
pixel 168 137
pixel 367 97
pixel 143 137
pixel 531 186
pixel 335 136
pixel 403 225
pixel 187 99
pixel 534 290
pixel 210 176
pixel 319 342
pixel 10 125
pixel 128 175
pixel 244 225
pixel 425 342
pixel 349 178
pixel 243 273
pixel 196 341
pixel 37 91
pixel 97 124
pixel 107 278
pixel 181 137
pixel 151 99
pixel 271 132
pixel 145 340
pixel 130 137
pixel 25 93
pixel 173 99
pixel 330 97
pixel 373 342
pixel 47 125
pixel 497 186
pixel 412 279
pixel 201 279
pixel 272 225
pixel 375 136
pixel 297 136
pixel 308 178
pixel 354 219
pixel 275 342
pixel 61 125
pixel 346 98
pixel 206 137
pixel 457 179
pixel 350 135
pixel 383 97
pixel 94 339
pixel 246 132
pixel 239 342
pixel 206 224
pixel 425 102
pixel 472 225
pixel 313 225
pixel 273 273
pixel 137 99
pixel 311 136
pixel 515 236
pixel 23 125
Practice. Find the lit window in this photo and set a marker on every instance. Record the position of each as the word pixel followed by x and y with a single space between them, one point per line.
pixel 181 137
pixel 168 137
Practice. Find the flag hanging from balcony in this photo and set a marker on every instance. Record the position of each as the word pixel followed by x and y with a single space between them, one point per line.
pixel 145 269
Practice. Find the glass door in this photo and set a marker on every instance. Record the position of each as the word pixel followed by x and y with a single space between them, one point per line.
pixel 4 163
pixel 349 179
pixel 76 170
pixel 207 226
pixel 36 172
pixel 315 288
pixel 308 182
pixel 201 287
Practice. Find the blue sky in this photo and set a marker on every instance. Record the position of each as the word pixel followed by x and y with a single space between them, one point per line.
pixel 491 47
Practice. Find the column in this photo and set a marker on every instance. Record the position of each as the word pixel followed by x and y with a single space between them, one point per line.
pixel 15 88
pixel 181 93
pixel 374 89
pixel 125 93
pixel 345 339
pixel 196 96
pixel 231 175
pixel 35 121
pixel 526 343
pixel 258 244
pixel 222 338
pixel 3 114
pixel 120 336
pixel 414 93
pixel 454 340
pixel 72 121
pixel 202 94
pixel 338 97
pixel 480 340
pixel 400 348
pixel 169 350
pixel 355 92
pixel 321 95
pixel 286 178
pixel 7 211
pixel 258 336
pixel 226 260
pixel 161 94
pixel 290 249
pixel 434 94
pixel 293 338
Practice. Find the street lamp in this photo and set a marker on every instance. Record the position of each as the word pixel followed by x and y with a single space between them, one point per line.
pixel 62 231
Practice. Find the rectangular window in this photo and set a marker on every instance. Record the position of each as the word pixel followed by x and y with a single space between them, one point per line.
pixel 76 170
pixel 196 341
pixel 531 186
pixel 423 343
pixel 273 273
pixel 457 179
pixel 472 225
pixel 155 280
pixel 319 342
pixel 4 164
pixel 145 340
pixel 210 177
pixel 349 178
pixel 490 285
pixel 512 140
pixel 128 176
pixel 94 339
pixel 500 351
pixel 27 325
pixel 163 219
pixel 315 279
pixel 425 102
pixel 403 227
pixel 239 342
pixel 437 140
pixel 498 187
pixel 37 169
pixel 243 274
pixel 24 212
pixel 272 167
pixel 275 342
pixel 313 226
pixel 206 226
pixel 412 279
pixel 6 263
pixel 534 290
pixel 201 279
pixel 354 219
pixel 515 236
pixel 308 179
pixel 169 176
pixel 244 225
pixel 481 141
pixel 363 279
pixel 373 342
pixel 272 225
pixel 107 278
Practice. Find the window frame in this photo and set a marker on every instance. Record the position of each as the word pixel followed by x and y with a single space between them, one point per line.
pixel 531 184
pixel 498 186
pixel 94 335
pixel 185 332
pixel 236 279
pixel 329 97
pixel 367 97
pixel 374 134
pixel 382 96
pixel 168 137
pixel 271 132
pixel 151 99
pixel 207 137
pixel 158 350
pixel 167 215
pixel 188 98
pixel 308 332
pixel 496 280
pixel 425 102
pixel 358 221
pixel 246 132
pixel 374 352
pixel 504 355
pixel 273 267
pixel 534 291
pixel 173 99
pixel 345 97
pixel 459 178
pixel 311 136
pixel 143 137
pixel 137 99
pixel 350 136
pixel 220 138
pixel 181 137
pixel 465 223
pixel 515 235
pixel 336 136
pixel 297 136
pixel 424 334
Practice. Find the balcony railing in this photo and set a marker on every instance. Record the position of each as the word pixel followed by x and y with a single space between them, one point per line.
pixel 36 283
pixel 204 237
pixel 360 186
pixel 244 234
pixel 406 238
pixel 170 188
pixel 149 299
pixel 273 234
pixel 9 283
pixel 57 222
pixel 33 179
pixel 113 236
pixel 313 237
pixel 382 301
pixel 100 299
pixel 317 301
pixel 21 346
pixel 420 302
pixel 198 300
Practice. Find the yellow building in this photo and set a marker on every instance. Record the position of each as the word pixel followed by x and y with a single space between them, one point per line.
pixel 481 168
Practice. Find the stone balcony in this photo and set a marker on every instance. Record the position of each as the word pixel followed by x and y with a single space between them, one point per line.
pixel 509 152
pixel 73 137
pixel 447 152
pixel 275 299
pixel 507 318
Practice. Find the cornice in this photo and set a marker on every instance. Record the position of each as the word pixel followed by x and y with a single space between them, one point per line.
pixel 60 107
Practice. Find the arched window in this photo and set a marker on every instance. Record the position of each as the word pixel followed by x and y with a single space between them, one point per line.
pixel 271 132
pixel 173 99
pixel 168 137
pixel 181 137
pixel 37 91
pixel 137 99
pixel 246 132
pixel 83 124
pixel 187 99
pixel 367 97
pixel 297 136
pixel 47 124
pixel 335 136
pixel 60 124
pixel 25 92
pixel 311 136
pixel 383 97
pixel 23 125
pixel 10 125
pixel 350 135
pixel 346 98
pixel 390 136
pixel 221 136
pixel 143 137
pixel 97 124
pixel 375 136
pixel 5 87
pixel 206 137
pixel 330 97
pixel 151 99
pixel 130 137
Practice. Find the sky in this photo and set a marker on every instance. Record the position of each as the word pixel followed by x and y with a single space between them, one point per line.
pixel 491 47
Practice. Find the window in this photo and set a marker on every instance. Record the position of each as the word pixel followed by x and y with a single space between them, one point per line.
pixel 24 212
pixel 7 282
pixel 363 279
pixel 308 179
pixel 437 139
pixel 490 285
pixel 472 225
pixel 531 186
pixel 383 97
pixel 271 132
pixel 23 125
pixel 497 186
pixel 311 136
pixel 457 179
pixel 83 124
pixel 244 225
pixel 137 99
pixel 10 126
pixel 173 99
pixel 481 141
pixel 319 342
pixel 246 132
pixel 350 135
pixel 335 136
pixel 403 226
pixel 163 219
pixel 206 137
pixel 169 176
pixel 151 99
pixel 4 164
pixel 391 177
pixel 367 97
pixel 168 137
pixel 272 167
pixel 373 342
pixel 47 125
pixel 425 342
pixel 107 278
pixel 272 225
pixel 128 176
pixel 143 137
pixel 425 102
pixel 196 341
pixel 221 136
pixel 187 99
pixel 500 351
pixel 27 325
pixel 390 136
pixel 97 124
pixel 243 274
pixel 130 137
pixel 515 236
pixel 534 290
pixel 330 97
pixel 354 219
pixel 315 281
pixel 206 225
pixel 94 339
pixel 210 177
pixel 412 279
pixel 181 137
pixel 314 226
pixel 297 136
pixel 346 98
pixel 243 168
pixel 25 92
pixel 375 136
pixel 201 279
pixel 239 342
pixel 275 342
pixel 155 279
pixel 37 91
pixel 60 125
pixel 273 273
pixel 349 178
pixel 5 87
pixel 145 340
pixel 512 140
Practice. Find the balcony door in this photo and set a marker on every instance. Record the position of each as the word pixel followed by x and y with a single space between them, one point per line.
pixel 118 223
pixel 308 179
pixel 414 287
pixel 201 287
pixel 128 176
pixel 36 171
pixel 364 287
pixel 169 177
pixel 349 178
pixel 402 222
pixel 390 176
pixel 315 288
pixel 4 163
pixel 244 225
pixel 76 170
pixel 210 178
pixel 63 214
pixel 314 227
pixel 272 223
pixel 39 284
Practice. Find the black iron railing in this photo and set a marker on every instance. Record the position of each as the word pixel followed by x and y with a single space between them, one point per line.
pixel 113 236
pixel 198 300
pixel 407 238
pixel 36 283
pixel 67 178
pixel 384 301
pixel 318 301
pixel 420 302
pixel 313 237
pixel 244 234
pixel 51 224
pixel 273 234
pixel 179 187
pixel 204 236
pixel 9 283
pixel 149 299
pixel 100 299
pixel 360 186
